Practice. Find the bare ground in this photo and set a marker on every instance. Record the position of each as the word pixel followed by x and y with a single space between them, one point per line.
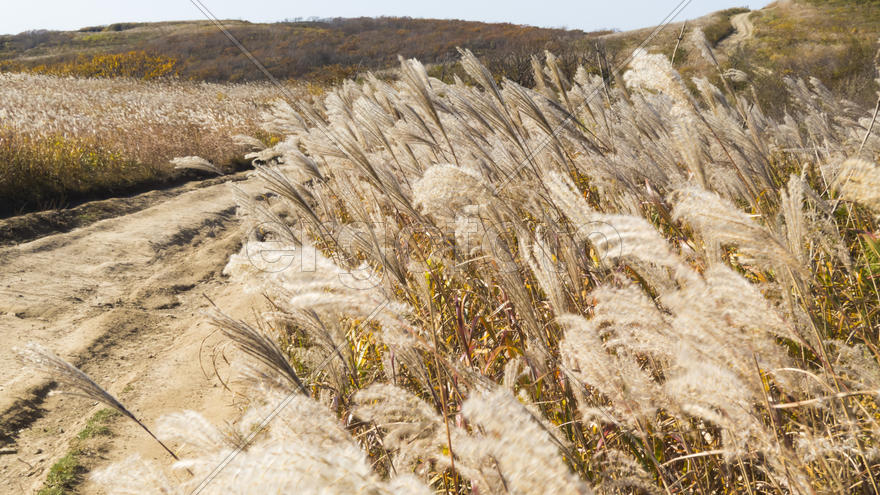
pixel 121 298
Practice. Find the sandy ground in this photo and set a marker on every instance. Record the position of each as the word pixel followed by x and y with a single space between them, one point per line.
pixel 122 298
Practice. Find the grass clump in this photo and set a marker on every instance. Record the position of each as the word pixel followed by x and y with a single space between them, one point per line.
pixel 97 425
pixel 67 472
pixel 41 172
pixel 63 475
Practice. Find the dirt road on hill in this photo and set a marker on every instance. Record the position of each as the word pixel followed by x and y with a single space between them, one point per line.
pixel 744 27
pixel 122 299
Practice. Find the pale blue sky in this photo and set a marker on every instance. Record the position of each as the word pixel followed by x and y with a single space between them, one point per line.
pixel 588 15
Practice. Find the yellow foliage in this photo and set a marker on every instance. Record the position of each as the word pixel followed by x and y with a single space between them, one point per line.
pixel 133 64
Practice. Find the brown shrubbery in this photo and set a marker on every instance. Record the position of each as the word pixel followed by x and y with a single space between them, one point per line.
pixel 321 51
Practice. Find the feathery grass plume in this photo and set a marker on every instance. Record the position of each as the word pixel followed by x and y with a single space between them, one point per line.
pixel 627 318
pixel 80 384
pixel 303 450
pixel 859 181
pixel 196 163
pixel 265 223
pixel 444 190
pixel 553 70
pixel 835 448
pixel 731 310
pixel 259 346
pixel 619 473
pixel 193 433
pixel 416 79
pixel 516 446
pixel 300 167
pixel 605 352
pixel 249 141
pixel 538 75
pixel 856 364
pixel 322 301
pixel 719 396
pixel 720 221
pixel 712 96
pixel 654 72
pixel 809 224
pixel 480 73
pixel 540 259
pixel 135 476
pixel 526 103
pixel 281 118
pixel 736 75
pixel 726 329
pixel 615 237
pixel 306 450
pixel 792 207
pixel 266 155
pixel 613 370
pixel 698 39
pixel 298 196
pixel 412 429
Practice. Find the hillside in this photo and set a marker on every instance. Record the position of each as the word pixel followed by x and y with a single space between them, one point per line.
pixel 833 40
pixel 95 148
pixel 321 50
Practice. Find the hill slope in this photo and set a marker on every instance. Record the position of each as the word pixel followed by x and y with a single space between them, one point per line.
pixel 317 50
pixel 834 40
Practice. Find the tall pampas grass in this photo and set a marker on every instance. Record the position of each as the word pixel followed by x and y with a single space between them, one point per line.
pixel 486 288
pixel 859 181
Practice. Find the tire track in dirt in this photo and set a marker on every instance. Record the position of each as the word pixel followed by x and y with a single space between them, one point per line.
pixel 122 299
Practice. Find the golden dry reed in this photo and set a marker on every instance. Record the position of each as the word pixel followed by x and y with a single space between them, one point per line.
pixel 486 288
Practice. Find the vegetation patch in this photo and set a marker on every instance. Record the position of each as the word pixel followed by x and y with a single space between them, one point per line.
pixel 65 474
pixel 66 139
pixel 133 64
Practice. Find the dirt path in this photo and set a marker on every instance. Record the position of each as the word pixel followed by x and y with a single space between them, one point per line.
pixel 121 298
pixel 30 226
pixel 744 27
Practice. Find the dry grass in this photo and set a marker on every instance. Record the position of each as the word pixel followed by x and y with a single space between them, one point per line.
pixel 64 138
pixel 506 290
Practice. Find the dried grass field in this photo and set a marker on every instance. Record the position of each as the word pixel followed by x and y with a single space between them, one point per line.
pixel 66 139
pixel 638 284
